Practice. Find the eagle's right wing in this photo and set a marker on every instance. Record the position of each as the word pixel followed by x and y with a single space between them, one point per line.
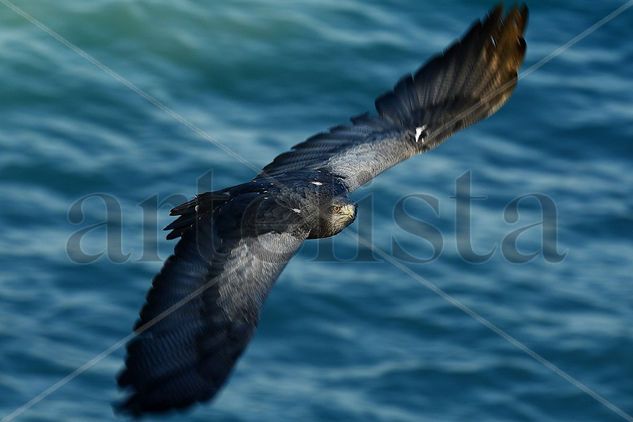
pixel 467 83
pixel 204 304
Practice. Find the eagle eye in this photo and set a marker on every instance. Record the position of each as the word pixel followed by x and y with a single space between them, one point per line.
pixel 336 208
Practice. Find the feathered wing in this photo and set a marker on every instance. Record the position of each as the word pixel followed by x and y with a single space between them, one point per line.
pixel 470 81
pixel 202 309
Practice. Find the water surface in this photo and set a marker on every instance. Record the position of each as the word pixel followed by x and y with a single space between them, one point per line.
pixel 342 339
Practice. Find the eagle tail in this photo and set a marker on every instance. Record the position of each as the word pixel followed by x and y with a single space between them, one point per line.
pixel 199 207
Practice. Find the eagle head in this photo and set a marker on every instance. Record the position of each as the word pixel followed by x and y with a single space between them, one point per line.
pixel 334 216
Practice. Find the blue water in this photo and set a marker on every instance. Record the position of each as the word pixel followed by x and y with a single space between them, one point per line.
pixel 343 336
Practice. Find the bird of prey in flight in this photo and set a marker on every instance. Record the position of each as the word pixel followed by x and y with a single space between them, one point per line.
pixel 204 305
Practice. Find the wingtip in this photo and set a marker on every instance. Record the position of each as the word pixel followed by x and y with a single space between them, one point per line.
pixel 495 13
pixel 519 10
pixel 525 15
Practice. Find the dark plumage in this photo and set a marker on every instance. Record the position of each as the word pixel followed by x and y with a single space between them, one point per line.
pixel 204 304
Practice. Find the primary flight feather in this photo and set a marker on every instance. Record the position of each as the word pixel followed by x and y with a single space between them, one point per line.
pixel 204 305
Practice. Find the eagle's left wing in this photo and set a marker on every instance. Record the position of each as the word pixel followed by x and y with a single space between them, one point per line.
pixel 467 83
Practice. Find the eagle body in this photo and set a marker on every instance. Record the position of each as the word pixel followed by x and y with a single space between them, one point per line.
pixel 204 304
pixel 297 202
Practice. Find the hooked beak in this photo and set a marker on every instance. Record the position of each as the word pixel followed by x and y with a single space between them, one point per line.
pixel 349 210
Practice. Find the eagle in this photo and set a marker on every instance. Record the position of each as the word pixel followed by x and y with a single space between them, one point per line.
pixel 203 306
